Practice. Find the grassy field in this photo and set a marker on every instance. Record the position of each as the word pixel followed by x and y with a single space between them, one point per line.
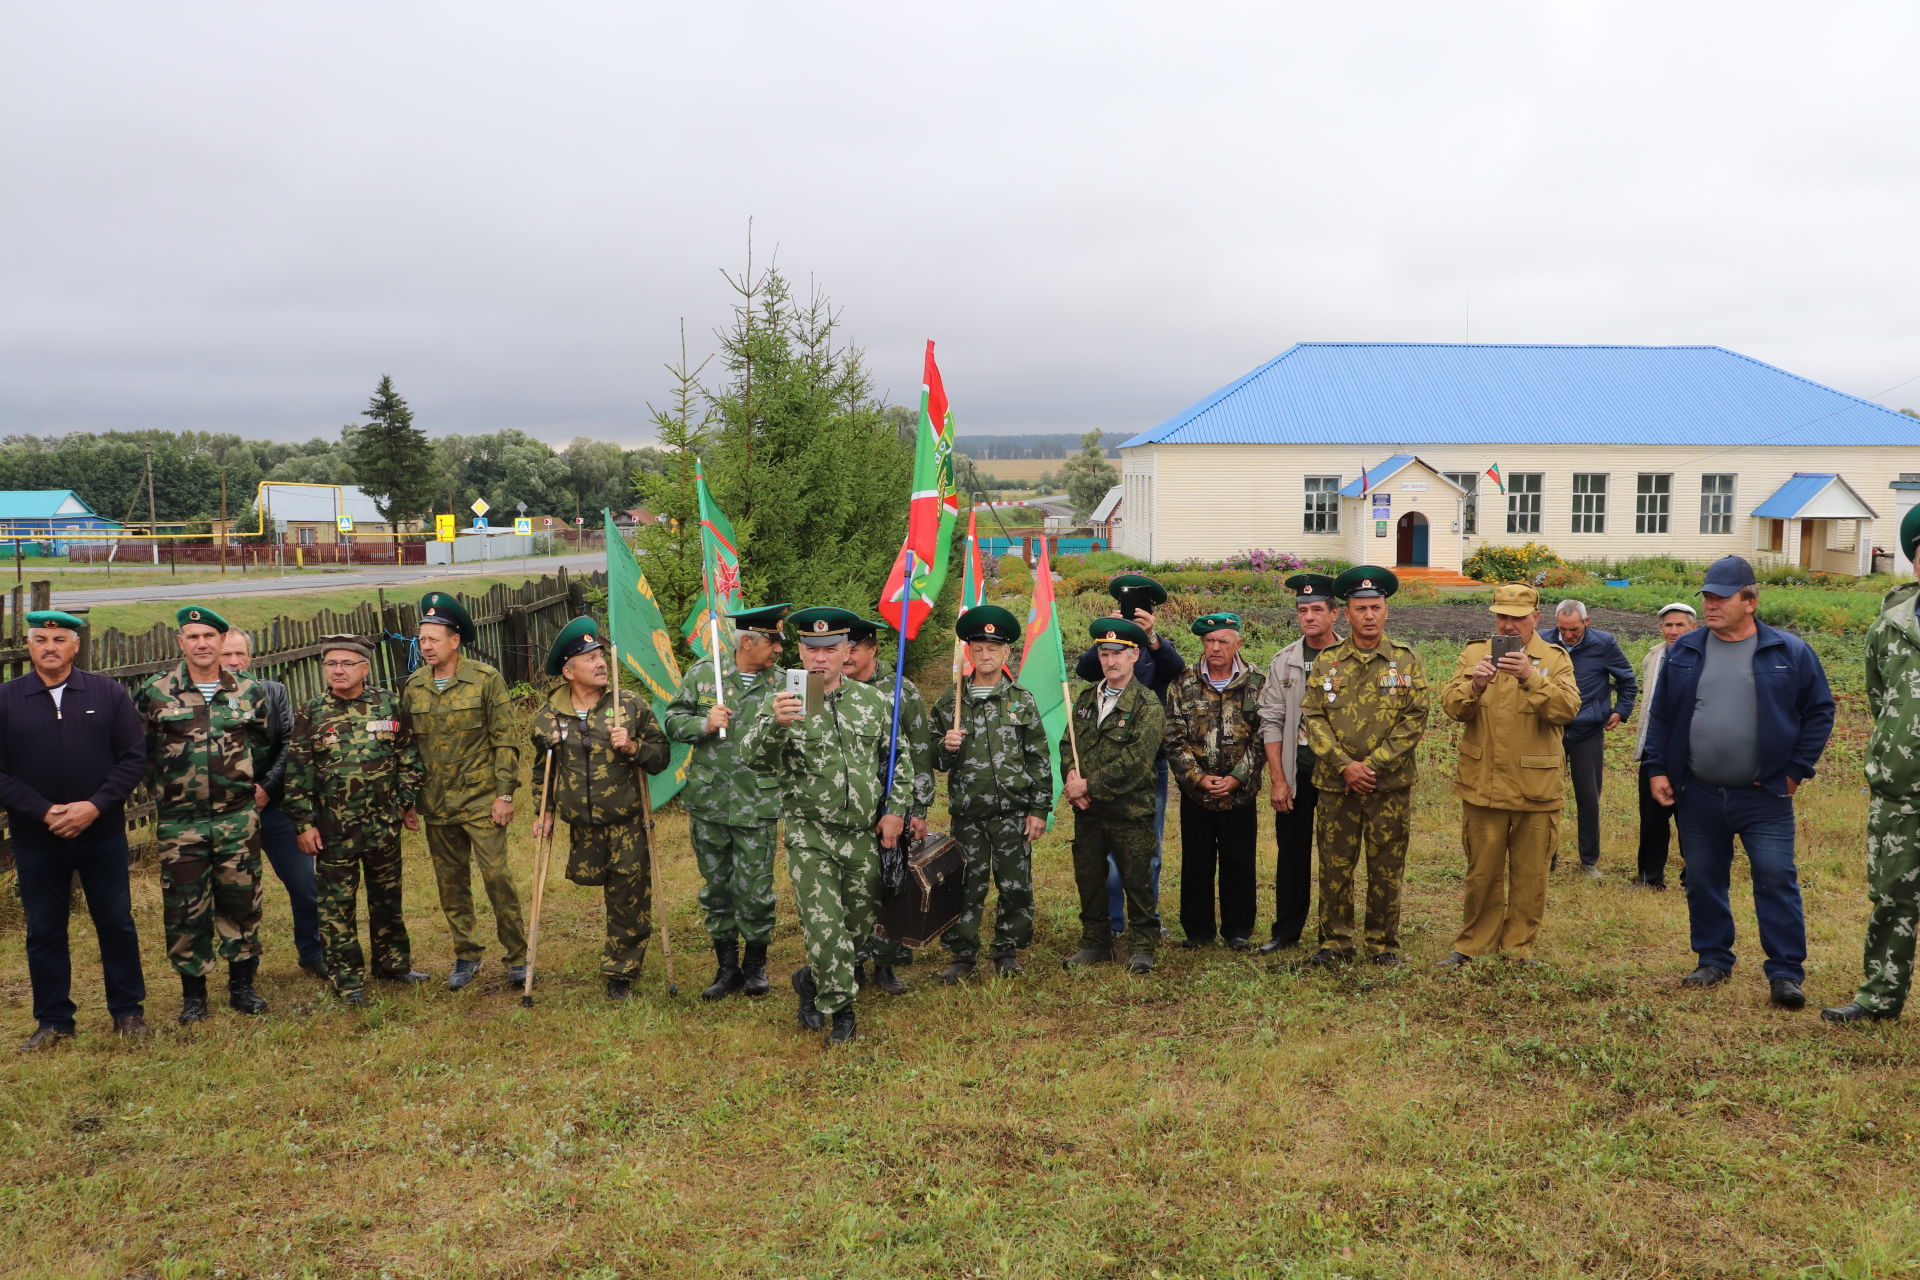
pixel 258 610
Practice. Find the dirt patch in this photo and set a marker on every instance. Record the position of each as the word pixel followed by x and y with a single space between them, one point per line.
pixel 1464 622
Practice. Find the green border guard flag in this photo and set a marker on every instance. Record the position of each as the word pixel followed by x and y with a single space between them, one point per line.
pixel 931 513
pixel 646 650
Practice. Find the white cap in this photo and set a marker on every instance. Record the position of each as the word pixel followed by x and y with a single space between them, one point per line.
pixel 1682 606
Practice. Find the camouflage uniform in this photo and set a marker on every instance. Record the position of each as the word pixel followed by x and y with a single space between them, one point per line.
pixel 1216 732
pixel 831 768
pixel 916 753
pixel 467 750
pixel 1366 705
pixel 732 806
pixel 1116 759
pixel 1893 804
pixel 203 758
pixel 597 790
pixel 352 769
pixel 1000 777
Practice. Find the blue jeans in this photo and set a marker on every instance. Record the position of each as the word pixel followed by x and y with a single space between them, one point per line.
pixel 46 866
pixel 1116 894
pixel 295 869
pixel 1708 818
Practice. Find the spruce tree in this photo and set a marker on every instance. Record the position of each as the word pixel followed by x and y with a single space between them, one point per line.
pixel 392 458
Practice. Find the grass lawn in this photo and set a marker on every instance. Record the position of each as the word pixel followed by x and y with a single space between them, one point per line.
pixel 1223 1117
pixel 252 611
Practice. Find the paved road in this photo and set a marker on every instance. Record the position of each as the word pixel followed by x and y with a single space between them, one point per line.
pixel 267 583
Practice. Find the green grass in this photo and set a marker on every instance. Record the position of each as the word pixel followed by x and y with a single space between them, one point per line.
pixel 253 611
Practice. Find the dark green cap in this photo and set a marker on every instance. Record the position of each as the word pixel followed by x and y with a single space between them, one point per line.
pixel 352 643
pixel 55 618
pixel 1117 633
pixel 582 635
pixel 765 620
pixel 1365 582
pixel 864 629
pixel 438 606
pixel 824 625
pixel 1216 622
pixel 987 622
pixel 1308 587
pixel 1138 590
pixel 189 615
pixel 1910 531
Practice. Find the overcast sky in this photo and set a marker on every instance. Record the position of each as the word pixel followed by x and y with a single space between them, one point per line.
pixel 237 216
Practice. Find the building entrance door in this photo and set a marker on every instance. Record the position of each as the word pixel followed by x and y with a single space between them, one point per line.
pixel 1412 546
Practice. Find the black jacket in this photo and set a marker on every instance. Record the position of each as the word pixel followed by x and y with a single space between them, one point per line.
pixel 93 748
pixel 279 733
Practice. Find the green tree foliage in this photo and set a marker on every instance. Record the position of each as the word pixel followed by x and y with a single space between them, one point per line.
pixel 392 458
pixel 1088 475
pixel 670 549
pixel 108 471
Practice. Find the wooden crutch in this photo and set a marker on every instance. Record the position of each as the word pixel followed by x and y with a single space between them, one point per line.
pixel 542 855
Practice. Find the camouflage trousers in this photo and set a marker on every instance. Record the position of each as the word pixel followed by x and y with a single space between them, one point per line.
pixel 836 892
pixel 1132 843
pixel 997 852
pixel 456 847
pixel 736 879
pixel 1893 885
pixel 615 857
pixel 1346 826
pixel 338 869
pixel 210 889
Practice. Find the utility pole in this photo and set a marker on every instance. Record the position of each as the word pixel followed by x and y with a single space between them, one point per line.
pixel 223 522
pixel 153 521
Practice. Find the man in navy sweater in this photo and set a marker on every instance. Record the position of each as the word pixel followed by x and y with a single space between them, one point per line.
pixel 1607 690
pixel 72 749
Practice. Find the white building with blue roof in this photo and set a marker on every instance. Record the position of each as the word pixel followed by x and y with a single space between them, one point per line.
pixel 1414 454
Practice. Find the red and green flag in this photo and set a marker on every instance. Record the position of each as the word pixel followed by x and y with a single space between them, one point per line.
pixel 973 584
pixel 1043 667
pixel 719 549
pixel 932 512
pixel 1493 472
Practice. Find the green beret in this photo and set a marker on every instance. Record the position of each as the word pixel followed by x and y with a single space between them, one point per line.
pixel 864 629
pixel 1138 590
pixel 1365 582
pixel 188 615
pixel 1308 587
pixel 55 618
pixel 823 625
pixel 987 622
pixel 1910 531
pixel 1216 622
pixel 1116 633
pixel 582 635
pixel 438 606
pixel 765 620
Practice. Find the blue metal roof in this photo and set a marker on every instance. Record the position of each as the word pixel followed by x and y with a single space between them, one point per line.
pixel 39 504
pixel 1379 475
pixel 1797 494
pixel 1392 393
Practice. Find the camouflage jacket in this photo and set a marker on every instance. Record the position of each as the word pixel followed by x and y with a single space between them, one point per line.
pixel 916 747
pixel 1216 734
pixel 466 741
pixel 594 785
pixel 831 766
pixel 203 758
pixel 1366 704
pixel 352 764
pixel 722 785
pixel 1116 754
pixel 1003 765
pixel 1893 699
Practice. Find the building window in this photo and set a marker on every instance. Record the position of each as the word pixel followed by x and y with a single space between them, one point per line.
pixel 1323 505
pixel 1652 501
pixel 1716 503
pixel 1523 502
pixel 1469 506
pixel 308 535
pixel 1589 502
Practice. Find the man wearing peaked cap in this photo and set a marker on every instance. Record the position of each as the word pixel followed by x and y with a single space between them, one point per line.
pixel 732 804
pixel 1213 750
pixel 1656 820
pixel 1365 711
pixel 991 744
pixel 1290 760
pixel 916 752
pixel 71 752
pixel 464 725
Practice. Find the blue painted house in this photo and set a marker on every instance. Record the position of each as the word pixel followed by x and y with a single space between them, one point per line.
pixel 50 518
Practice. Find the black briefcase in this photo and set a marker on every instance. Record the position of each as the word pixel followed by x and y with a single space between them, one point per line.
pixel 932 897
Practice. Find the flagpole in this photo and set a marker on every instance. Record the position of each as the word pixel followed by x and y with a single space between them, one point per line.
pixel 899 675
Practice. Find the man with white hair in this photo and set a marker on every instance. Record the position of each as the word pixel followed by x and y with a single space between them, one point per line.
pixel 1656 819
pixel 1607 692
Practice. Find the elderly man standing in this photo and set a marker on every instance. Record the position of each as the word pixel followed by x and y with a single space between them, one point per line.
pixel 1366 711
pixel 1290 759
pixel 1509 782
pixel 1213 749
pixel 1656 819
pixel 916 750
pixel 464 726
pixel 71 752
pixel 1741 717
pixel 1607 690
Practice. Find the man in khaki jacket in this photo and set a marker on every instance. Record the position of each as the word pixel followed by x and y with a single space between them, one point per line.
pixel 1510 783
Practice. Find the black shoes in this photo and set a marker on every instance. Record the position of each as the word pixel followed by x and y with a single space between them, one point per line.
pixel 1786 993
pixel 1272 945
pixel 842 1026
pixel 193 999
pixel 131 1025
pixel 1006 964
pixel 314 965
pixel 1855 1012
pixel 1194 944
pixel 1388 960
pixel 1705 976
pixel 355 998
pixel 411 977
pixel 956 972
pixel 1086 956
pixel 885 979
pixel 240 993
pixel 1325 959
pixel 1140 962
pixel 1454 960
pixel 46 1037
pixel 753 973
pixel 727 976
pixel 464 971
pixel 619 988
pixel 811 1018
pixel 1238 944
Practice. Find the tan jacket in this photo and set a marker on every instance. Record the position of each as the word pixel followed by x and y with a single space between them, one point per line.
pixel 1281 699
pixel 1511 756
pixel 1649 679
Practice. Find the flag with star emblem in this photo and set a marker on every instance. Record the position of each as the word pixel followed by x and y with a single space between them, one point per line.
pixel 932 513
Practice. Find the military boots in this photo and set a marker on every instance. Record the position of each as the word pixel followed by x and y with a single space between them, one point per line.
pixel 193 999
pixel 754 970
pixel 240 993
pixel 727 978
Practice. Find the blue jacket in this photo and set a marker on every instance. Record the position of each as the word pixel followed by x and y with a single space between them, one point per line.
pixel 1794 708
pixel 1597 662
pixel 93 747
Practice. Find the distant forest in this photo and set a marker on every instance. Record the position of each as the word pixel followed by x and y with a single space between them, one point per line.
pixel 1057 445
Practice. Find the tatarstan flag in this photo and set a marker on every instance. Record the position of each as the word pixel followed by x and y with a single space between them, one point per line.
pixel 973 585
pixel 934 508
pixel 1043 667
pixel 1494 473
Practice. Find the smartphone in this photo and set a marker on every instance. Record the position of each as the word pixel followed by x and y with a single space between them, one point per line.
pixel 1132 600
pixel 810 687
pixel 1504 645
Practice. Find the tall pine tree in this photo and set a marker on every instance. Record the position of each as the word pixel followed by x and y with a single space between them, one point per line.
pixel 392 458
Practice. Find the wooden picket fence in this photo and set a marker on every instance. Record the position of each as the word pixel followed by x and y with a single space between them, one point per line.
pixel 513 627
